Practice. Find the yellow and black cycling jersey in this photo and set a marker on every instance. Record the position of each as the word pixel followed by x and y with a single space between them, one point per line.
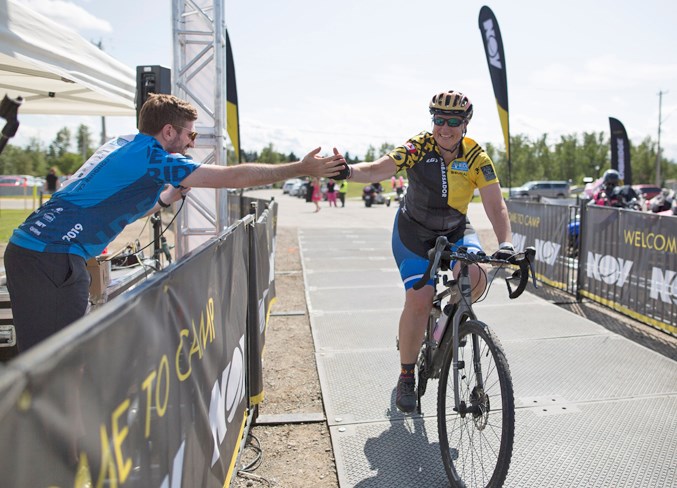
pixel 438 194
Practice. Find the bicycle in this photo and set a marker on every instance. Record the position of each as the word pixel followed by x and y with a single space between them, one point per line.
pixel 476 431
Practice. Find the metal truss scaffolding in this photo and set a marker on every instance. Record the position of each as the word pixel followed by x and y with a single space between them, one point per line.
pixel 199 76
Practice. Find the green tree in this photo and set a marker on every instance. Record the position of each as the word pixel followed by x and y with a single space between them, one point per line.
pixel 61 143
pixel 594 156
pixel 68 163
pixel 270 156
pixel 385 148
pixel 83 138
pixel 370 155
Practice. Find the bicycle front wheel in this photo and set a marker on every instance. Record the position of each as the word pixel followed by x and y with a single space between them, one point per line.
pixel 476 443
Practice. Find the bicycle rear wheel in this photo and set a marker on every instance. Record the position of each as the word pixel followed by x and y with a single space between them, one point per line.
pixel 477 446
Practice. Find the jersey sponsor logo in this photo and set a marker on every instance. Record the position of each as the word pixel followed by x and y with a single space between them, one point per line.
pixel 488 173
pixel 432 159
pixel 445 184
pixel 459 166
pixel 411 149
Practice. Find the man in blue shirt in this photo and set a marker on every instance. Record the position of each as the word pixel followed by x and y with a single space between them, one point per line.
pixel 125 179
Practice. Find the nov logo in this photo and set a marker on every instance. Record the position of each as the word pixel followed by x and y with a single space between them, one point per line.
pixel 608 269
pixel 664 285
pixel 491 44
pixel 547 251
pixel 519 241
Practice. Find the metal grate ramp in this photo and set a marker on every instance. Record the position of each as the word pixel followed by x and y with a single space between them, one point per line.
pixel 593 409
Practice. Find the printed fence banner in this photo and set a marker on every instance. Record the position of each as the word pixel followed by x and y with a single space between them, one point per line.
pixel 148 391
pixel 262 292
pixel 544 227
pixel 629 263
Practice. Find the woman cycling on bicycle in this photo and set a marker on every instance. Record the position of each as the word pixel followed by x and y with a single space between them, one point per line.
pixel 443 168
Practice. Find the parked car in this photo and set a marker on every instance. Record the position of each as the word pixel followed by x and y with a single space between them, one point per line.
pixel 298 189
pixel 287 185
pixel 547 189
pixel 11 181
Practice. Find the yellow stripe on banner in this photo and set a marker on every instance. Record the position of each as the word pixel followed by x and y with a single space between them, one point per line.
pixel 554 284
pixel 270 308
pixel 232 128
pixel 503 116
pixel 671 329
pixel 233 460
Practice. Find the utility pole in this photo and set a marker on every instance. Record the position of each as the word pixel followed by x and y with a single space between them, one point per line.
pixel 658 150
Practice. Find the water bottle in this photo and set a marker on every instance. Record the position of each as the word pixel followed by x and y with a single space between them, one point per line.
pixel 441 323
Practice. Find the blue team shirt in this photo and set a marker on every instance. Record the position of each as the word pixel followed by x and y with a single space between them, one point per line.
pixel 118 184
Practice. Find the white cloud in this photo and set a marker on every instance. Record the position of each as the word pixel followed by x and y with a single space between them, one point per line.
pixel 69 14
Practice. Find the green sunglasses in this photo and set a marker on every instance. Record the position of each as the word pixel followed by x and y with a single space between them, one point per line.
pixel 454 122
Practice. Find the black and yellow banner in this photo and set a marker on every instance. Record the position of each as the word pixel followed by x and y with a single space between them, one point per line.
pixel 152 388
pixel 262 291
pixel 493 48
pixel 620 150
pixel 629 263
pixel 626 260
pixel 232 116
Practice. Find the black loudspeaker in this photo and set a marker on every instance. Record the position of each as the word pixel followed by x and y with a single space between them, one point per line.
pixel 151 79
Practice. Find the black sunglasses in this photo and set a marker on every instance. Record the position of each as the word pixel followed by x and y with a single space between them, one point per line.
pixel 453 122
pixel 192 134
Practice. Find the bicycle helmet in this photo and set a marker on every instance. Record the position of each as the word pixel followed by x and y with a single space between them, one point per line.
pixel 451 103
pixel 611 178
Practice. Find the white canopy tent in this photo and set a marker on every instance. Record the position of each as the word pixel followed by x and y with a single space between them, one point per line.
pixel 56 71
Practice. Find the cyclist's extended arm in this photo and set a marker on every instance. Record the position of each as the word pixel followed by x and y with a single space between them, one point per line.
pixel 381 169
pixel 496 210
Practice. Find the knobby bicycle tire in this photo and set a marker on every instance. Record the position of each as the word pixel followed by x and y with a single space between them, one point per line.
pixel 476 449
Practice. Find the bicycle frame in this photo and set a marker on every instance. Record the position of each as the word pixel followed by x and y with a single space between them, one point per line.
pixel 432 357
pixel 461 311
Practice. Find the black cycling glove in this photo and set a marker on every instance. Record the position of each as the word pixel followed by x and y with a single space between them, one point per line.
pixel 505 251
pixel 345 173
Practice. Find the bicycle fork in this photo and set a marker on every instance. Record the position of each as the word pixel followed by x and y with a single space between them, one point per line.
pixel 458 365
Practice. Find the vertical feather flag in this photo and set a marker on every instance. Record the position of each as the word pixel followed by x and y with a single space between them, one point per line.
pixel 620 150
pixel 493 48
pixel 232 119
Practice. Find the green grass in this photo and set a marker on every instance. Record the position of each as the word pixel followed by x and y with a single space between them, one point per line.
pixel 10 220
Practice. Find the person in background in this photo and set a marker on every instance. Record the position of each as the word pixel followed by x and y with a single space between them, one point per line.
pixel 308 185
pixel 51 182
pixel 331 193
pixel 443 167
pixel 606 194
pixel 127 178
pixel 399 187
pixel 343 189
pixel 317 194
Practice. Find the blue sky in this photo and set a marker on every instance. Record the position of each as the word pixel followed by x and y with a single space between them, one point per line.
pixel 360 72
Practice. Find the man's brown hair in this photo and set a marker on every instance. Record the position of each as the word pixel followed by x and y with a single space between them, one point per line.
pixel 161 109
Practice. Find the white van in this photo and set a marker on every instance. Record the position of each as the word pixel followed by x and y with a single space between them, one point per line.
pixel 548 189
